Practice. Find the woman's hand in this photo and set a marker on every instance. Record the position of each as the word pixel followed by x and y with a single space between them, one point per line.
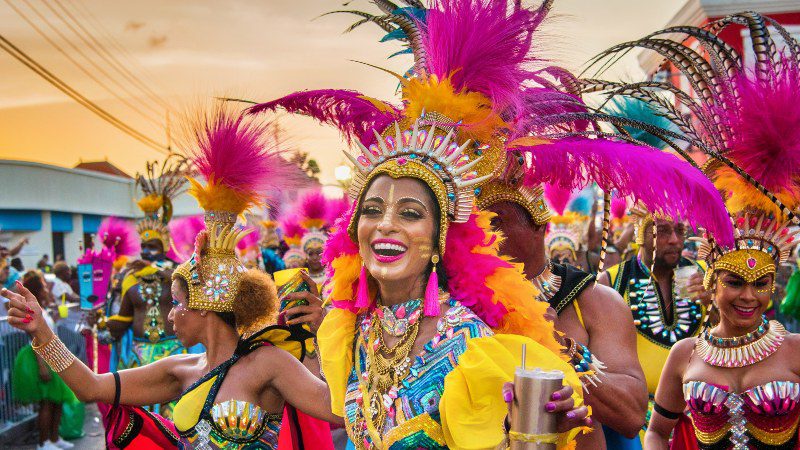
pixel 312 313
pixel 24 312
pixel 561 404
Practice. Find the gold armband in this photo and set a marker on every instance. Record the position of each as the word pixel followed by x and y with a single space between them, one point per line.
pixel 55 354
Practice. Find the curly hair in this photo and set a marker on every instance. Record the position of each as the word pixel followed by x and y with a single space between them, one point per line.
pixel 256 302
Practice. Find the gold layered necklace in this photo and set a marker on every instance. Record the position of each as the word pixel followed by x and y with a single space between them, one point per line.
pixel 387 367
pixel 547 282
pixel 741 351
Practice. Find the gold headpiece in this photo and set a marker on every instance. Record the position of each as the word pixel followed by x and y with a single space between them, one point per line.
pixel 235 159
pixel 509 187
pixel 452 171
pixel 159 185
pixel 762 237
pixel 761 244
pixel 567 232
pixel 214 276
pixel 270 237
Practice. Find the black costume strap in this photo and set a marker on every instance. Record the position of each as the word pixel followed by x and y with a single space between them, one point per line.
pixel 665 412
pixel 573 282
pixel 116 389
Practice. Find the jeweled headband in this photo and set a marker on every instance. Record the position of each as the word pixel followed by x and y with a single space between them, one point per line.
pixel 762 244
pixel 428 152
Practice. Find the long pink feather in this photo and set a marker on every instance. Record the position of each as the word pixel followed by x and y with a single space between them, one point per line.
pixel 240 154
pixel 349 111
pixel 184 232
pixel 557 198
pixel 661 181
pixel 765 128
pixel 119 236
pixel 484 45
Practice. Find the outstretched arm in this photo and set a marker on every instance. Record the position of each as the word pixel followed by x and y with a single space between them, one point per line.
pixel 620 400
pixel 147 385
pixel 299 387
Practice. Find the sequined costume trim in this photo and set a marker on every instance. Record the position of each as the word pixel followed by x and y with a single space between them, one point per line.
pixel 765 416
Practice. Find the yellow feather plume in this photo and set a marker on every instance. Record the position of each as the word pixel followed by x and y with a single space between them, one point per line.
pixel 218 197
pixel 740 195
pixel 568 218
pixel 150 204
pixel 480 122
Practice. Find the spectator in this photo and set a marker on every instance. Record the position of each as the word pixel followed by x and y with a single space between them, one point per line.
pixel 8 275
pixel 61 283
pixel 33 381
pixel 6 252
pixel 44 264
pixel 17 264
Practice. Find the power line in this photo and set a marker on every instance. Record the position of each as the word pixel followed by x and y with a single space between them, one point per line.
pixel 156 121
pixel 87 15
pixel 77 64
pixel 25 59
pixel 104 54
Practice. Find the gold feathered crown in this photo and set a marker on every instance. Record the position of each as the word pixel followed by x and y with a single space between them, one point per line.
pixel 159 185
pixel 429 151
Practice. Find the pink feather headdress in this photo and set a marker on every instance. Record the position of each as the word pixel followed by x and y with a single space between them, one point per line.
pixel 184 233
pixel 119 236
pixel 312 210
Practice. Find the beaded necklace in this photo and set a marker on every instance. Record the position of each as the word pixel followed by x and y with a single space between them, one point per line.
pixel 150 290
pixel 650 316
pixel 741 351
pixel 547 282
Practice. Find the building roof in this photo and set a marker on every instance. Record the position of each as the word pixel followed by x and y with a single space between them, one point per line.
pixel 102 167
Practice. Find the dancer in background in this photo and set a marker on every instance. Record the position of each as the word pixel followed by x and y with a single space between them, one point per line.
pixel 216 302
pixel 739 377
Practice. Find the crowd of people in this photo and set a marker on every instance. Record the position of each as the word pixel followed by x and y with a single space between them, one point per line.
pixel 494 220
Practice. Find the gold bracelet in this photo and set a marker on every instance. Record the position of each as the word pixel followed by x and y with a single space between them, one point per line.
pixel 55 354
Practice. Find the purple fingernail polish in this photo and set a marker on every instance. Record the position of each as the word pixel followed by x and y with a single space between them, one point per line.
pixel 556 396
pixel 570 415
pixel 508 396
pixel 550 407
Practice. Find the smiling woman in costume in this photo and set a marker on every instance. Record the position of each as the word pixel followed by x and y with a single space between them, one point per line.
pixel 428 321
pixel 216 302
pixel 740 379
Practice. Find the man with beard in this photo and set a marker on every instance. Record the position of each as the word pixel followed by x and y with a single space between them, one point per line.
pixel 143 333
pixel 663 290
pixel 594 319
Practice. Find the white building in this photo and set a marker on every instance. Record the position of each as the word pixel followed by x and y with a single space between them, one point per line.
pixel 57 208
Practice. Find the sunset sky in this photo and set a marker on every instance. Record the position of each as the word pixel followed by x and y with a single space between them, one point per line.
pixel 189 50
